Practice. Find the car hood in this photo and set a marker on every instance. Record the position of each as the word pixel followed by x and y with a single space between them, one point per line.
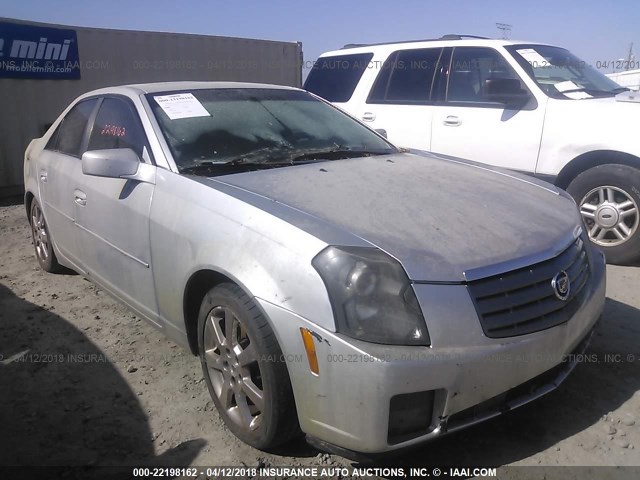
pixel 445 220
pixel 630 96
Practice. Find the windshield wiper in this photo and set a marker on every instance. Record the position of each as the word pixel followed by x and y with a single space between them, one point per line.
pixel 200 165
pixel 255 157
pixel 269 157
pixel 260 156
pixel 333 153
pixel 590 91
pixel 621 89
pixel 288 156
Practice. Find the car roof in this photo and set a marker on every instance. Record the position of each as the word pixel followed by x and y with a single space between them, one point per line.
pixel 142 88
pixel 445 41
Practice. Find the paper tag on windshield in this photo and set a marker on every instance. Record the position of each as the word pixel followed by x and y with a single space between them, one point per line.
pixel 563 87
pixel 181 105
pixel 534 58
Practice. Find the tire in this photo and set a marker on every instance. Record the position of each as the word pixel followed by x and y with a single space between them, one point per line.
pixel 608 197
pixel 42 240
pixel 254 399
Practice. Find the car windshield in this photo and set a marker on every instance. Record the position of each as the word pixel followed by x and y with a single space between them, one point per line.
pixel 560 74
pixel 231 129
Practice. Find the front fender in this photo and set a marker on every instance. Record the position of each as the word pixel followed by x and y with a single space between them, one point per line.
pixel 574 128
pixel 195 227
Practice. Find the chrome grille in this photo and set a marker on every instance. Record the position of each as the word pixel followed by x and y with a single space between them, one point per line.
pixel 523 301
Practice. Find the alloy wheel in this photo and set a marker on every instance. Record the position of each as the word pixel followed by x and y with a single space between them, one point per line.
pixel 232 365
pixel 40 234
pixel 611 215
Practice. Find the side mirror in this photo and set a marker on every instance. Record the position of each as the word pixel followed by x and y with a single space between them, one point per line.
pixel 381 131
pixel 116 163
pixel 505 90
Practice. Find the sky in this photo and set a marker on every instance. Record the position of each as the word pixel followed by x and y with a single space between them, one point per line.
pixel 596 31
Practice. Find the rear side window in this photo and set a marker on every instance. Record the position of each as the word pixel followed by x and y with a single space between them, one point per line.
pixel 69 135
pixel 406 77
pixel 117 126
pixel 335 78
pixel 470 68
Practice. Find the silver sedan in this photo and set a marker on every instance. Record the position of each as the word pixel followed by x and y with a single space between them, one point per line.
pixel 331 283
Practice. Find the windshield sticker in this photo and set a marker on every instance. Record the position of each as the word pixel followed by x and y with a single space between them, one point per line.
pixel 181 105
pixel 534 58
pixel 566 89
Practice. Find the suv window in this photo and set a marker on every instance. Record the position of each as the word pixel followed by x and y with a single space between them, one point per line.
pixel 117 126
pixel 335 78
pixel 406 77
pixel 557 70
pixel 69 135
pixel 470 68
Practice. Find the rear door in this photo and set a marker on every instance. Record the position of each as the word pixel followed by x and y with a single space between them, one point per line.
pixel 113 214
pixel 59 168
pixel 400 100
pixel 467 125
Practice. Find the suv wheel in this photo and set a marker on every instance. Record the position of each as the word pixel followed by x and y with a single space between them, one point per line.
pixel 244 369
pixel 608 197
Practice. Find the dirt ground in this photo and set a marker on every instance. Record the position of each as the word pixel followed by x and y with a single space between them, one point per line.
pixel 85 382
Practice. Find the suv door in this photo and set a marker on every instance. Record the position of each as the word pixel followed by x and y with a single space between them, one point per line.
pixel 59 168
pixel 400 100
pixel 467 124
pixel 113 213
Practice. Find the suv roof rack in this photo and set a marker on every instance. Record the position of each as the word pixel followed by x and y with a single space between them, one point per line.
pixel 449 36
pixel 455 36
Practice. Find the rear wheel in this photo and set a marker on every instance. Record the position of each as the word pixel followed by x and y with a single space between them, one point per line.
pixel 42 240
pixel 244 369
pixel 608 197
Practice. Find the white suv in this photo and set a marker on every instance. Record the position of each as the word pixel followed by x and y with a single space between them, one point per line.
pixel 529 107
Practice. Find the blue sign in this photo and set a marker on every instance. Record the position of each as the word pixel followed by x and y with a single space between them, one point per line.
pixel 27 51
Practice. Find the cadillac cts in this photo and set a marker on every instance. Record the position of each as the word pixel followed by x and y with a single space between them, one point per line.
pixel 331 283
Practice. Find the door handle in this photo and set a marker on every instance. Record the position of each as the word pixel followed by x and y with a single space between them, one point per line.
pixel 43 176
pixel 81 197
pixel 368 116
pixel 452 121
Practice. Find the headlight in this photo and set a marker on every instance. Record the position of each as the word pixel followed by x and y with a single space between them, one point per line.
pixel 371 296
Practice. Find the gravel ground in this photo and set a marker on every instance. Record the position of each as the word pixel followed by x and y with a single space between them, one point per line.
pixel 85 382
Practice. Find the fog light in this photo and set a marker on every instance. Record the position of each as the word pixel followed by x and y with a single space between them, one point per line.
pixel 410 416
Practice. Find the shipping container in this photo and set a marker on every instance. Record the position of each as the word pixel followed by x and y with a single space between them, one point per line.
pixel 43 67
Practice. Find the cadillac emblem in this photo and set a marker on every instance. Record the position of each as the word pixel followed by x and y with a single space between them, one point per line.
pixel 561 285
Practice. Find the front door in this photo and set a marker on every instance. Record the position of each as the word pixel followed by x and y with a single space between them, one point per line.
pixel 468 125
pixel 113 214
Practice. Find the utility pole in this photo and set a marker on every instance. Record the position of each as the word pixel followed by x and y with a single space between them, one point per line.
pixel 630 57
pixel 505 28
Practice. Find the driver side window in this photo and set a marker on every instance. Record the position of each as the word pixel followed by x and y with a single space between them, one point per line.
pixel 117 126
pixel 470 68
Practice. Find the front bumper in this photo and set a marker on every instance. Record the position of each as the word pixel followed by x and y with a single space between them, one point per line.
pixel 468 376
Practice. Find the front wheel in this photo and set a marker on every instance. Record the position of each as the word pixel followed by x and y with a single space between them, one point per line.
pixel 608 197
pixel 42 240
pixel 244 369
